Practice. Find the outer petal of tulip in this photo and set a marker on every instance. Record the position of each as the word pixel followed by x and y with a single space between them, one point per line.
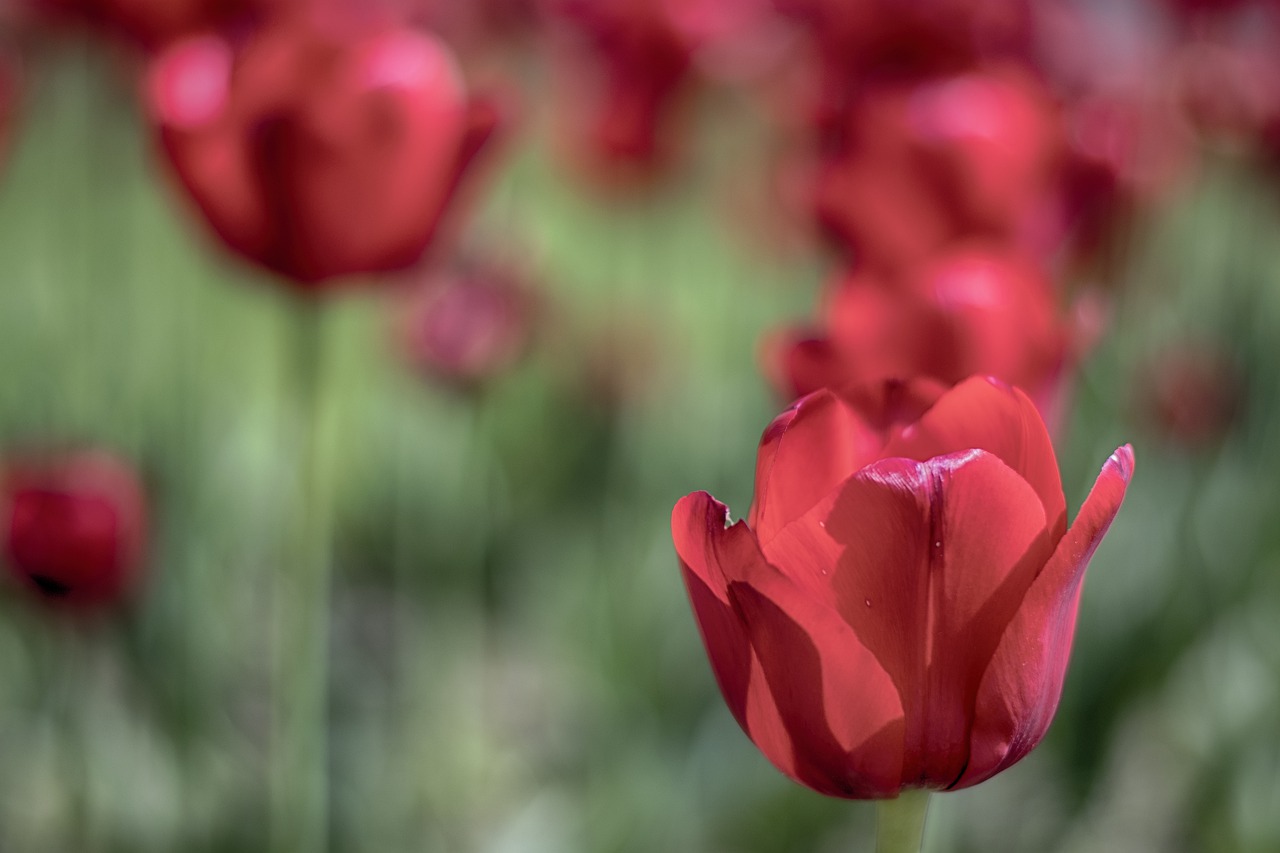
pixel 985 413
pixel 927 562
pixel 786 663
pixel 824 438
pixel 805 453
pixel 1022 685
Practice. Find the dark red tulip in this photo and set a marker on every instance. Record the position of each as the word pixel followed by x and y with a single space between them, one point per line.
pixel 925 164
pixel 624 70
pixel 74 525
pixel 154 23
pixel 864 42
pixel 469 324
pixel 973 310
pixel 627 66
pixel 317 151
pixel 898 609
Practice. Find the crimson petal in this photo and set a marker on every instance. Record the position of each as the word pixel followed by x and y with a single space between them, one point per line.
pixel 927 562
pixel 806 452
pixel 984 413
pixel 1020 690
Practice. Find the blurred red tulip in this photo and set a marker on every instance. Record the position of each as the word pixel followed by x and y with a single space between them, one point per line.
pixel 927 163
pixel 317 151
pixel 898 609
pixel 154 23
pixel 973 310
pixel 862 42
pixel 74 525
pixel 626 68
pixel 467 325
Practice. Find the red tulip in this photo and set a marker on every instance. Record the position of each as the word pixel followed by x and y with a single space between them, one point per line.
pixel 898 609
pixel 857 42
pixel 467 325
pixel 74 526
pixel 924 164
pixel 154 23
pixel 318 152
pixel 974 310
pixel 626 66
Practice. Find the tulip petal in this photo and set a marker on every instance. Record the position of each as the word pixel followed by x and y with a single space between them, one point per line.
pixel 805 453
pixel 834 698
pixel 1020 690
pixel 927 562
pixel 710 552
pixel 987 414
pixel 796 678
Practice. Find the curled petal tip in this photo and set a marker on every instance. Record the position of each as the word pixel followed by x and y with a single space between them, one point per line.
pixel 1122 461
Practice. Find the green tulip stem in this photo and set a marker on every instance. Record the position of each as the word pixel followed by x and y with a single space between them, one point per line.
pixel 900 822
pixel 298 747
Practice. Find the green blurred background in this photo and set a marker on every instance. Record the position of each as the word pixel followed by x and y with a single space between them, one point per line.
pixel 514 667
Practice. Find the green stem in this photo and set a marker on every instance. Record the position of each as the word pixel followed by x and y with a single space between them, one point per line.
pixel 900 822
pixel 298 762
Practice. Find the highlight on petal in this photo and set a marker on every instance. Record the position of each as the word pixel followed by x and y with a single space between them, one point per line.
pixel 1021 688
pixel 983 412
pixel 187 87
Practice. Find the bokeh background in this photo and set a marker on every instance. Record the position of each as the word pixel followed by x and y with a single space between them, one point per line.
pixel 514 668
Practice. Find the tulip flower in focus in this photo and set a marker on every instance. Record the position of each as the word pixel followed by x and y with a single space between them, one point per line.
pixel 897 610
pixel 974 310
pixel 467 325
pixel 74 525
pixel 316 150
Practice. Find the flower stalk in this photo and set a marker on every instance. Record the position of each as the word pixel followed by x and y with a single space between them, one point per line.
pixel 900 822
pixel 298 762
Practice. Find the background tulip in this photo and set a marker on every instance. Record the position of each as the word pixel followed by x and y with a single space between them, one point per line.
pixel 467 324
pixel 75 525
pixel 318 153
pixel 898 610
pixel 977 309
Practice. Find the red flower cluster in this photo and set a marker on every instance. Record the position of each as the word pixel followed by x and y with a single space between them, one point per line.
pixel 74 525
pixel 897 611
pixel 317 152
